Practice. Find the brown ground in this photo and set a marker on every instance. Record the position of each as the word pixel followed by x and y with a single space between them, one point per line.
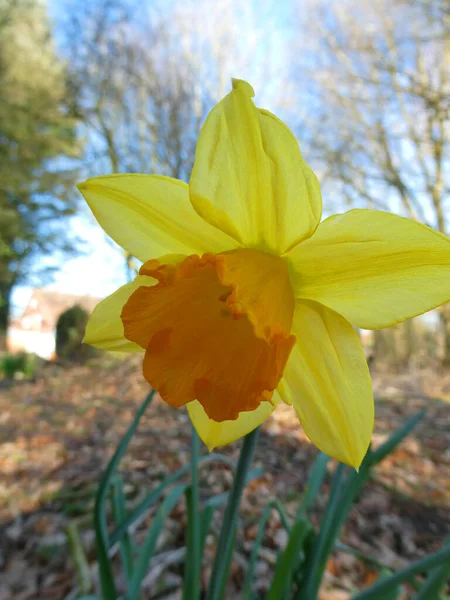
pixel 57 433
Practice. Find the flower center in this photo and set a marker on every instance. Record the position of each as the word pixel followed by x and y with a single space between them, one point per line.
pixel 215 329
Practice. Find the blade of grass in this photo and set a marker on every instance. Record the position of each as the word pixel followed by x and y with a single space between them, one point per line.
pixel 224 551
pixel 107 584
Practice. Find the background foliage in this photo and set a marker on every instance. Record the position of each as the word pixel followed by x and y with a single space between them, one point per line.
pixel 38 147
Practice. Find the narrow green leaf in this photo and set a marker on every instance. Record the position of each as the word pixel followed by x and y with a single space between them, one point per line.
pixel 394 593
pixel 382 451
pixel 318 553
pixel 78 555
pixel 154 495
pixel 205 526
pixel 148 547
pixel 273 504
pixel 436 581
pixel 216 501
pixel 281 583
pixel 380 588
pixel 362 557
pixel 224 551
pixel 119 512
pixel 187 575
pixel 101 531
pixel 228 559
pixel 314 483
pixel 342 496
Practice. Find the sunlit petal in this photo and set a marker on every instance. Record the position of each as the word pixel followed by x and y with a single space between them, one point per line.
pixel 375 268
pixel 215 434
pixel 327 381
pixel 105 328
pixel 150 215
pixel 249 178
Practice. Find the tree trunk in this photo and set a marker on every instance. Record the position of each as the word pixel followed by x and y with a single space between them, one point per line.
pixel 444 317
pixel 5 305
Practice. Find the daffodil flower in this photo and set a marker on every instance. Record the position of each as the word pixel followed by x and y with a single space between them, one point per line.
pixel 244 299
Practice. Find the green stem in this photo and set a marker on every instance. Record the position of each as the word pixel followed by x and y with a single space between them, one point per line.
pixel 192 562
pixel 222 559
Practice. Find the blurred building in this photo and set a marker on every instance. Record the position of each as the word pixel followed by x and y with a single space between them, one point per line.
pixel 35 330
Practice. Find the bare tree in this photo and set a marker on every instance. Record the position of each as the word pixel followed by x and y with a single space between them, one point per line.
pixel 378 83
pixel 147 77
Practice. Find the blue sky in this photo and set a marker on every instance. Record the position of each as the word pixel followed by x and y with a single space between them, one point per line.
pixel 100 270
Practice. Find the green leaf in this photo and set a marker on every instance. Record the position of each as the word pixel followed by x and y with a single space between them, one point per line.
pixel 281 583
pixel 314 483
pixel 380 588
pixel 398 436
pixel 342 495
pixel 119 512
pixel 359 555
pixel 148 547
pixel 205 526
pixel 224 551
pixel 154 496
pixel 324 541
pixel 436 581
pixel 101 531
pixel 394 593
pixel 78 555
pixel 273 504
pixel 216 501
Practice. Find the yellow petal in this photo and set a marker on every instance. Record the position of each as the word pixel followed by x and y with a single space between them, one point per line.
pixel 249 178
pixel 374 268
pixel 327 381
pixel 215 434
pixel 105 328
pixel 150 215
